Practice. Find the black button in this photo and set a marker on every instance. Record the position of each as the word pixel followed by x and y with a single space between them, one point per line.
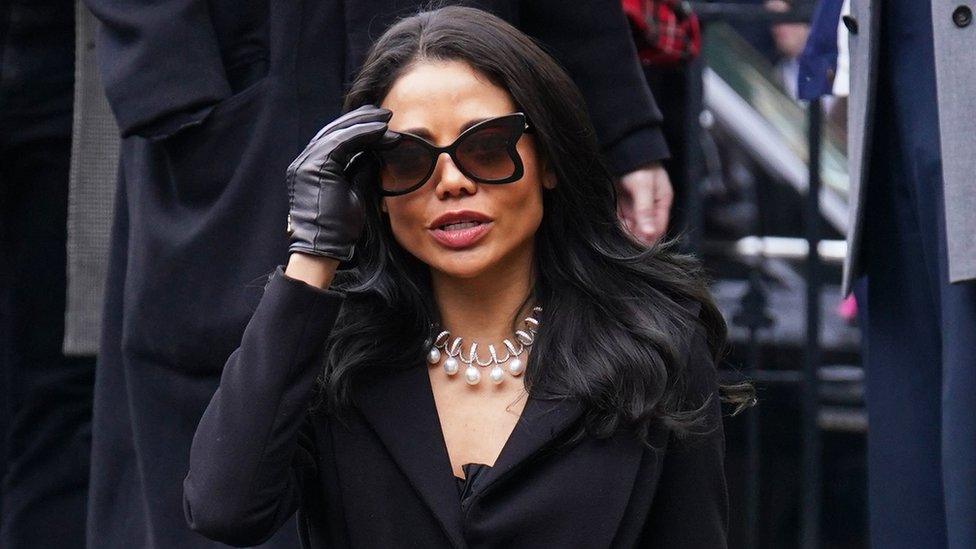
pixel 962 16
pixel 850 23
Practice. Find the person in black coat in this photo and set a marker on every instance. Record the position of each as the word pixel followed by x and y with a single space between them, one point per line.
pixel 500 324
pixel 45 389
pixel 214 99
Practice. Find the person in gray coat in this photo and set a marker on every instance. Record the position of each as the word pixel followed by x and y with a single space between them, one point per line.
pixel 912 264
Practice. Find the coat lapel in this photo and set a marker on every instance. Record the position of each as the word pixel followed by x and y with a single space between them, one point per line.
pixel 399 406
pixel 541 422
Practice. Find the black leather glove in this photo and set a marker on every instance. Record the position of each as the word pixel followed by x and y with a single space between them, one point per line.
pixel 325 215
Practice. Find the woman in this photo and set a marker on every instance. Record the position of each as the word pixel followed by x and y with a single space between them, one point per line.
pixel 500 324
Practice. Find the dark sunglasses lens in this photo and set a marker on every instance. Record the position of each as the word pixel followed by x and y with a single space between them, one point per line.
pixel 404 165
pixel 486 153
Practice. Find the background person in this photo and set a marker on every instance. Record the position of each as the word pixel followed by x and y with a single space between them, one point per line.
pixel 45 379
pixel 912 159
pixel 789 39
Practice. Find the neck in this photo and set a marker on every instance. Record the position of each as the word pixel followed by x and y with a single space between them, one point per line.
pixel 481 308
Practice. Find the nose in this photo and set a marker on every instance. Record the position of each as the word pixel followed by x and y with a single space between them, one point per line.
pixel 450 182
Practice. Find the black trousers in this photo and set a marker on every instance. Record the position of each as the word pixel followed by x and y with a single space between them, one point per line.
pixel 920 331
pixel 46 397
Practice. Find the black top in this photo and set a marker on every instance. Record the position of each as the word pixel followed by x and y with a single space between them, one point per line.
pixel 382 476
pixel 468 484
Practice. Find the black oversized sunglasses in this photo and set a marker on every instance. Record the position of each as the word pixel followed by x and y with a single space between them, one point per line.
pixel 484 153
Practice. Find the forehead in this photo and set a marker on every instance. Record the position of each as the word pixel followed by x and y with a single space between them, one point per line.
pixel 442 96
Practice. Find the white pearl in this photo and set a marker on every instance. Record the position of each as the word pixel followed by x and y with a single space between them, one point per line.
pixel 451 366
pixel 496 374
pixel 472 375
pixel 434 356
pixel 515 366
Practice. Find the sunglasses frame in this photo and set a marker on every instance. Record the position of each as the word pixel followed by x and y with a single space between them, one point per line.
pixel 522 127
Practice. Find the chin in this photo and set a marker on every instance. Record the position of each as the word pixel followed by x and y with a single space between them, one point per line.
pixel 472 266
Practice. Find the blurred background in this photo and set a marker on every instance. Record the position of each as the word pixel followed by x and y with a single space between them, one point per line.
pixel 752 153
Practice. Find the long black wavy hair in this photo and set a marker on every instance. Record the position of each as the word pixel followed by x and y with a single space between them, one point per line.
pixel 616 323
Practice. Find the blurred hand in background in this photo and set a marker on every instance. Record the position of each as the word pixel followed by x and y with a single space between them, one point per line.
pixel 644 202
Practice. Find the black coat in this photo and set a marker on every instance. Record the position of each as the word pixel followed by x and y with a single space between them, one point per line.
pixel 215 98
pixel 382 477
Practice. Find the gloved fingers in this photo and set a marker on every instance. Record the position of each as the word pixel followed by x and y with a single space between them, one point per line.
pixel 366 113
pixel 341 144
pixel 359 161
pixel 362 170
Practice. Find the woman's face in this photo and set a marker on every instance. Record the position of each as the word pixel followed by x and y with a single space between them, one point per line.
pixel 437 100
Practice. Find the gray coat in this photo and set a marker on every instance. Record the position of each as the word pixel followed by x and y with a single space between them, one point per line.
pixel 955 71
pixel 94 161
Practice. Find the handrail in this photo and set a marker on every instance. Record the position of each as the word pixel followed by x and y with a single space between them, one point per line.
pixel 794 249
pixel 765 146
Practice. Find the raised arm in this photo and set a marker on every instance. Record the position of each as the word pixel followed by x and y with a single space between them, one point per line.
pixel 248 461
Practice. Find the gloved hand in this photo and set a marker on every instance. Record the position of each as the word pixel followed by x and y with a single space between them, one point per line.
pixel 325 215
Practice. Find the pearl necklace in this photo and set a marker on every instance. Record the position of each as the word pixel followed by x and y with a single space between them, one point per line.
pixel 514 365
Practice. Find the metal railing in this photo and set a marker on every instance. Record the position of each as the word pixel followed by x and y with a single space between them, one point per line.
pixel 752 132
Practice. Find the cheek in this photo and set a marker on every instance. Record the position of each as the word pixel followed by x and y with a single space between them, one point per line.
pixel 406 217
pixel 538 181
pixel 518 212
pixel 536 167
pixel 521 203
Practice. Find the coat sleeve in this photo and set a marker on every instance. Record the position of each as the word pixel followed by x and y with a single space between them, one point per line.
pixel 251 454
pixel 593 42
pixel 691 505
pixel 160 63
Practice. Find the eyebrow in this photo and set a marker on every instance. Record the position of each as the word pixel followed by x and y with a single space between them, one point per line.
pixel 425 133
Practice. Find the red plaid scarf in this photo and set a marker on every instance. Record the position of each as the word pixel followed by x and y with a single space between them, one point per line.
pixel 666 31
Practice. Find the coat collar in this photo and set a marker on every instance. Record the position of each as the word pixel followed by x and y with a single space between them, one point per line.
pixel 399 406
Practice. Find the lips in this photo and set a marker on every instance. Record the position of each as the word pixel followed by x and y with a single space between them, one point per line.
pixel 460 229
pixel 458 216
pixel 459 225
